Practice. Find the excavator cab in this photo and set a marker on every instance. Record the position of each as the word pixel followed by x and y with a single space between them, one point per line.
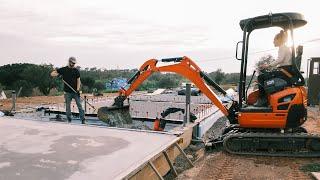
pixel 286 101
pixel 275 129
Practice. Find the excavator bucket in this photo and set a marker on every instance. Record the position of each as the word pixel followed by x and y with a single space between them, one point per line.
pixel 116 115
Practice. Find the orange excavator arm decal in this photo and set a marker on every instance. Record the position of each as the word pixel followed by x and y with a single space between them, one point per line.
pixel 185 67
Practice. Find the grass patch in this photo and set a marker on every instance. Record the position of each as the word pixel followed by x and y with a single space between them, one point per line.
pixel 313 167
pixel 110 91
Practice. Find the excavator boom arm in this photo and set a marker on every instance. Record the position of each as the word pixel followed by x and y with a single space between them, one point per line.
pixel 183 66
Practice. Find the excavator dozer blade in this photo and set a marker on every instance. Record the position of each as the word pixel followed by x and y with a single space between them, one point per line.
pixel 114 115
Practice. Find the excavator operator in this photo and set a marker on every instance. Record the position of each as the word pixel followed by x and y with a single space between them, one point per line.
pixel 281 67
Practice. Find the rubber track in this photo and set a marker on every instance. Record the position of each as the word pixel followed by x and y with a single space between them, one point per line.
pixel 274 152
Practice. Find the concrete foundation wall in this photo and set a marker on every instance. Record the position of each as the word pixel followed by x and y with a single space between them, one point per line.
pixel 152 110
pixel 161 163
pixel 170 98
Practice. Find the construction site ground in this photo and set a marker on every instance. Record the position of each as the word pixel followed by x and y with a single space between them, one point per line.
pixel 218 164
pixel 221 165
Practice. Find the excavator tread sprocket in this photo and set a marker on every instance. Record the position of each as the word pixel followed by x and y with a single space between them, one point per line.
pixel 273 144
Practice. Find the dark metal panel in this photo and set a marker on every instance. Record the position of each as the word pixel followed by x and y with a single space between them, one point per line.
pixel 274 20
pixel 314 81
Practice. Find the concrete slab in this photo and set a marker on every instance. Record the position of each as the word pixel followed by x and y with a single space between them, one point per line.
pixel 46 150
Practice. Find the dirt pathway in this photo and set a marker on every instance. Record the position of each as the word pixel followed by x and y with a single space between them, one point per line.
pixel 225 166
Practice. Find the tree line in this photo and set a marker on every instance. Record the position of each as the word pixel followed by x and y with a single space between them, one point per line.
pixel 27 76
pixel 31 76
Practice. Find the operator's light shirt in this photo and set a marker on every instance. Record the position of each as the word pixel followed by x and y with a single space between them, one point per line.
pixel 284 57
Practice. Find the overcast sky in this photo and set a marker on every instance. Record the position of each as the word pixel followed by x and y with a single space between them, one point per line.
pixel 123 34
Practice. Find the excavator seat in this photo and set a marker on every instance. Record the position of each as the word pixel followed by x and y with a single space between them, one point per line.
pixel 297 74
pixel 274 81
pixel 299 52
pixel 274 85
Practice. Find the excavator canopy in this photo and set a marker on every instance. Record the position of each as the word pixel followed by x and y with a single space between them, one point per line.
pixel 273 20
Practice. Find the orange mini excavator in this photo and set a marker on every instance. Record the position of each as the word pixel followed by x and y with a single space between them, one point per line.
pixel 272 130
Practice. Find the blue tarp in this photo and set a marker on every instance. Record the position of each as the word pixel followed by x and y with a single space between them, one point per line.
pixel 116 83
